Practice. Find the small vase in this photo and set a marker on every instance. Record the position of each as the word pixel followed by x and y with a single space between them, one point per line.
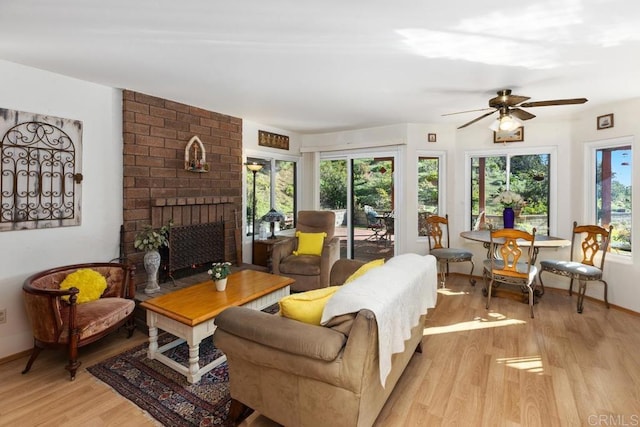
pixel 508 217
pixel 152 265
pixel 221 284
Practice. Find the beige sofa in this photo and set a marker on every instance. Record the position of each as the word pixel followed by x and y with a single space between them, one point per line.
pixel 299 374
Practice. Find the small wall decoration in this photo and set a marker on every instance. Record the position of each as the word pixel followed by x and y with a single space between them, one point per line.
pixel 273 140
pixel 431 137
pixel 195 158
pixel 40 171
pixel 515 135
pixel 605 122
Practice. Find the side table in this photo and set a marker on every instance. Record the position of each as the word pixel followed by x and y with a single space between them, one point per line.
pixel 262 250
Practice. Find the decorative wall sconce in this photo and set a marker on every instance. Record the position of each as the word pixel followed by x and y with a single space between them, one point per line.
pixel 195 160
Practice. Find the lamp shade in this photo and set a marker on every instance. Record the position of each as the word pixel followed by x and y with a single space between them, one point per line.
pixel 273 216
pixel 254 166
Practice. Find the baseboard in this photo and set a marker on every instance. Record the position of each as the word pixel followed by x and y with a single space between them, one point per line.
pixel 15 356
pixel 558 290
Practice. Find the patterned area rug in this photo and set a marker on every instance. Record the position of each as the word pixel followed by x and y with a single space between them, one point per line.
pixel 165 394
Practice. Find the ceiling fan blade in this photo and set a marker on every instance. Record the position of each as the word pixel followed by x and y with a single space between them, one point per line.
pixel 468 111
pixel 476 119
pixel 505 98
pixel 554 102
pixel 521 114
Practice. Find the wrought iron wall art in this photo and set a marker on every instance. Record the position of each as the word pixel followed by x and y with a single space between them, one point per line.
pixel 40 171
pixel 273 140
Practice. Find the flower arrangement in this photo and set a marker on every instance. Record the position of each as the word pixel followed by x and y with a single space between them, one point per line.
pixel 219 270
pixel 509 199
pixel 150 239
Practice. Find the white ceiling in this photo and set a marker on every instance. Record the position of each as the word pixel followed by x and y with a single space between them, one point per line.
pixel 317 66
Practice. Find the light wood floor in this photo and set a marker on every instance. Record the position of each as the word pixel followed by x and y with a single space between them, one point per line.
pixel 478 368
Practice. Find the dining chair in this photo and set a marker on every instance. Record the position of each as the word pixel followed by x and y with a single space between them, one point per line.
pixel 591 239
pixel 510 261
pixel 437 229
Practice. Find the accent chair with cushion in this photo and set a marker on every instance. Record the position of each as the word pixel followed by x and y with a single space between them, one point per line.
pixel 510 262
pixel 75 305
pixel 309 257
pixel 592 239
pixel 439 247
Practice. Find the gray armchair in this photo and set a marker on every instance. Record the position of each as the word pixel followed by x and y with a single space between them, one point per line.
pixel 308 271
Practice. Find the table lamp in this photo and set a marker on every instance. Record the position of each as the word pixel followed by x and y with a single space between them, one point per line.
pixel 272 217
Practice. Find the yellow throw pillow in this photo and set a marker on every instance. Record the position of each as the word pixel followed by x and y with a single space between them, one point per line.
pixel 90 283
pixel 364 268
pixel 306 306
pixel 310 243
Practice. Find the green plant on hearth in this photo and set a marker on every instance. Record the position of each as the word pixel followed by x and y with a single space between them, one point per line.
pixel 151 239
pixel 219 270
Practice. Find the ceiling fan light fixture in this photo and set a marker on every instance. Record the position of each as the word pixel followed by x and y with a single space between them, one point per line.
pixel 506 123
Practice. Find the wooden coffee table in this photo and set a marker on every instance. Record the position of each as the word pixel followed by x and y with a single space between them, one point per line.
pixel 189 314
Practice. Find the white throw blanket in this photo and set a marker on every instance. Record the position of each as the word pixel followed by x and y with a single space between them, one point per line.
pixel 397 293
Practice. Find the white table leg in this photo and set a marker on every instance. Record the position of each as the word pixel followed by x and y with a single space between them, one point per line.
pixel 153 337
pixel 194 374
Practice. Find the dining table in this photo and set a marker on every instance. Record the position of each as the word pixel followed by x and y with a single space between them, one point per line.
pixel 541 241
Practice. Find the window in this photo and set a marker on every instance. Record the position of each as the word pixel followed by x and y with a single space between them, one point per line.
pixel 613 194
pixel 275 187
pixel 285 191
pixel 527 174
pixel 428 190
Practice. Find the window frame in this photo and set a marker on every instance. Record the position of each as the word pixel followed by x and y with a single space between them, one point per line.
pixel 271 158
pixel 442 179
pixel 509 152
pixel 590 183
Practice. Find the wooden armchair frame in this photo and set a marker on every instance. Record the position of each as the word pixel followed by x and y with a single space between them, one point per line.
pixel 62 324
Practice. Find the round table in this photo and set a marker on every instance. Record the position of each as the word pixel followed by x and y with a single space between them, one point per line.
pixel 541 241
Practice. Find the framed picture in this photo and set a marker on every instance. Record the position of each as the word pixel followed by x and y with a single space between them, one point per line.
pixel 431 137
pixel 605 122
pixel 515 135
pixel 273 140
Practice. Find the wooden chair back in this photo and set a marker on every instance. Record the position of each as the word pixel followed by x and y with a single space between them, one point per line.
pixel 435 232
pixel 511 247
pixel 592 239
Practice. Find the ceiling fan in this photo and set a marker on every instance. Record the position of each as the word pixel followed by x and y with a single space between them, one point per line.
pixel 510 108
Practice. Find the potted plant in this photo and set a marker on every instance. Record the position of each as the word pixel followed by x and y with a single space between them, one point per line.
pixel 219 272
pixel 150 240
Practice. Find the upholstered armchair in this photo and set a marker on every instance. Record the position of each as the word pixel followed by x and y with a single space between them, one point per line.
pixel 310 271
pixel 58 320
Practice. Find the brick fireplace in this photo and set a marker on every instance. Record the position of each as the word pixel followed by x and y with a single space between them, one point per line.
pixel 157 188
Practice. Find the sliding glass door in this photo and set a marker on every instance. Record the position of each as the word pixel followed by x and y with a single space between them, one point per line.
pixel 360 190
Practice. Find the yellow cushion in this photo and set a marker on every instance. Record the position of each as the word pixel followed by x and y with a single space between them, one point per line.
pixel 364 268
pixel 310 243
pixel 307 306
pixel 90 283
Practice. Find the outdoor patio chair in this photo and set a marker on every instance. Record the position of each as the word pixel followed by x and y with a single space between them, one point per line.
pixel 374 223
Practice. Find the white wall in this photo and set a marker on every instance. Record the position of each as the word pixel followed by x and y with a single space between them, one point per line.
pixel 97 238
pixel 620 272
pixel 566 137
